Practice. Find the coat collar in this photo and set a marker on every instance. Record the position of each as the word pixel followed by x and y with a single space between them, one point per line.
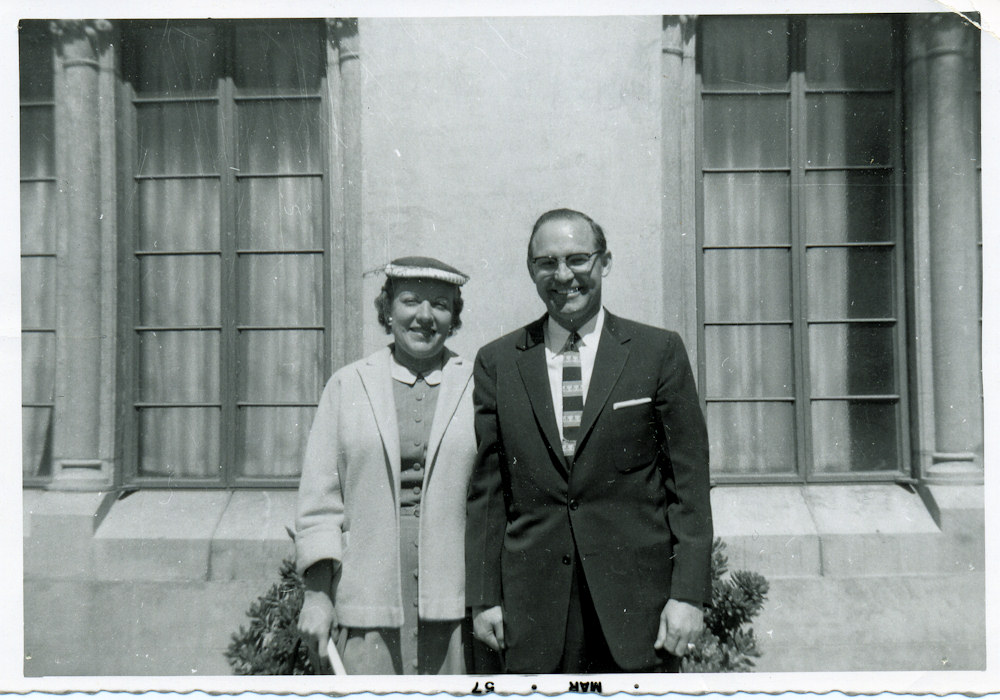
pixel 376 376
pixel 612 353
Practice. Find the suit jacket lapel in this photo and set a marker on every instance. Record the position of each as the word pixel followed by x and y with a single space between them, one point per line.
pixel 612 353
pixel 455 377
pixel 376 375
pixel 535 375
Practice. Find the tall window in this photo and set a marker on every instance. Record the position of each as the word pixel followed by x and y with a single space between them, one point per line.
pixel 38 247
pixel 227 267
pixel 800 228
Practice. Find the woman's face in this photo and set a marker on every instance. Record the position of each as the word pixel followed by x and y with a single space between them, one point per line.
pixel 422 312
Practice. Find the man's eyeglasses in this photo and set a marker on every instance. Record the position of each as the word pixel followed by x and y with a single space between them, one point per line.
pixel 577 262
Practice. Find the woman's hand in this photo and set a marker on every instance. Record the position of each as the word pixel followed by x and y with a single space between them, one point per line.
pixel 317 623
pixel 318 617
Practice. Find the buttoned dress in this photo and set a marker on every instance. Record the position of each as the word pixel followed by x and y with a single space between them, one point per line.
pixel 383 493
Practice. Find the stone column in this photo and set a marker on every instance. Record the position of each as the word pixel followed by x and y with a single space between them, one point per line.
pixel 953 193
pixel 80 45
pixel 679 105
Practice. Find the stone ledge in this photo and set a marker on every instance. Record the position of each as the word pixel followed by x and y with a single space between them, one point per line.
pixel 252 537
pixel 58 532
pixel 767 529
pixel 843 530
pixel 157 535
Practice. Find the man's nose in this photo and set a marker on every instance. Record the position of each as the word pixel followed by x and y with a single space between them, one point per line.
pixel 563 273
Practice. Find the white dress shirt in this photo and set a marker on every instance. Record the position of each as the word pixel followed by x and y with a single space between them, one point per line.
pixel 555 340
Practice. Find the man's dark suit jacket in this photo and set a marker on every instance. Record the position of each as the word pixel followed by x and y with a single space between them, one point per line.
pixel 634 505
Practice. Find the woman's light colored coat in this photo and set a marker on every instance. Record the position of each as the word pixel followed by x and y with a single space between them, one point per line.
pixel 349 494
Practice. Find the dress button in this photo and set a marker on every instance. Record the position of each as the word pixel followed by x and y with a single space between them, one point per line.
pixel 416 466
pixel 417 419
pixel 567 559
pixel 417 443
pixel 416 512
pixel 420 397
pixel 416 490
pixel 573 505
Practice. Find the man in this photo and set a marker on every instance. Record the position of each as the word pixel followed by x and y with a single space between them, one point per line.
pixel 589 529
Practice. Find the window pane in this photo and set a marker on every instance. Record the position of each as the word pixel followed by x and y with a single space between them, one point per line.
pixel 279 136
pixel 278 58
pixel 177 139
pixel 179 215
pixel 179 442
pixel 751 437
pixel 281 213
pixel 852 206
pixel 273 440
pixel 35 59
pixel 849 130
pixel 179 366
pixel 177 59
pixel 36 441
pixel 749 361
pixel 37 147
pixel 744 53
pixel 850 283
pixel 281 366
pixel 38 217
pixel 746 208
pixel 847 359
pixel 38 292
pixel 280 289
pixel 179 290
pixel 746 132
pixel 747 285
pixel 854 436
pixel 38 359
pixel 849 52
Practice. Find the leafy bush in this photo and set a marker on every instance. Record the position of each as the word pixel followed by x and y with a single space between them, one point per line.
pixel 727 645
pixel 270 645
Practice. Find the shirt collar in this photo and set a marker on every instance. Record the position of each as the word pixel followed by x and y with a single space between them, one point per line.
pixel 590 332
pixel 402 373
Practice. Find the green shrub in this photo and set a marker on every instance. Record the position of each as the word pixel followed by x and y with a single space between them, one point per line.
pixel 270 644
pixel 727 644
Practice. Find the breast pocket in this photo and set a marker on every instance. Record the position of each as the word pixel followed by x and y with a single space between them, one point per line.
pixel 632 433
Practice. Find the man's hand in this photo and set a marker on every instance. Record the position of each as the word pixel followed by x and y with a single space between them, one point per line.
pixel 680 624
pixel 487 626
pixel 317 621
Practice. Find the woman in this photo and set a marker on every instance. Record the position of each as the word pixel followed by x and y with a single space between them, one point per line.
pixel 380 532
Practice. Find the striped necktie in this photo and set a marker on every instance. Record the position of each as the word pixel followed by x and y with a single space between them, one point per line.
pixel 572 395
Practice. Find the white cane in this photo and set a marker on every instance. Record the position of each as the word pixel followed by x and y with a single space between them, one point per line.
pixel 335 660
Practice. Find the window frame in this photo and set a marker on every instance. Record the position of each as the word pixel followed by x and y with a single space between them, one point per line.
pixel 802 395
pixel 43 477
pixel 227 100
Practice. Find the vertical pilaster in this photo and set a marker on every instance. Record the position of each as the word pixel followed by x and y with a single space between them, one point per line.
pixel 81 47
pixel 344 84
pixel 953 198
pixel 679 108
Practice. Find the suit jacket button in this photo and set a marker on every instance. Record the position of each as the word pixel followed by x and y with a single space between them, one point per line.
pixel 573 505
pixel 567 559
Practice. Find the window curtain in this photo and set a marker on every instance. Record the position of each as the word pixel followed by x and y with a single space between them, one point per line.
pixel 824 253
pixel 231 340
pixel 38 247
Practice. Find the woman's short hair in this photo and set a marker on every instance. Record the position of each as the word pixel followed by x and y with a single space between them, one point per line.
pixel 383 304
